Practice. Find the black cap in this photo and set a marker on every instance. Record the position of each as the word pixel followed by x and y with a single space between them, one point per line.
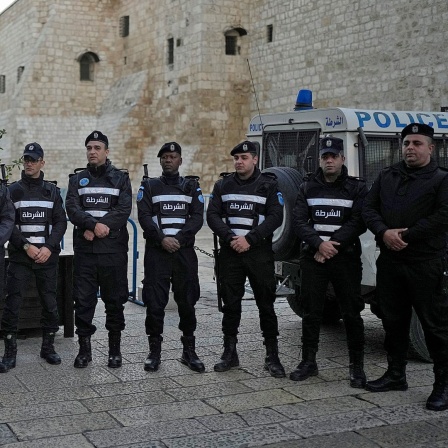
pixel 331 144
pixel 98 137
pixel 244 147
pixel 417 128
pixel 170 147
pixel 33 150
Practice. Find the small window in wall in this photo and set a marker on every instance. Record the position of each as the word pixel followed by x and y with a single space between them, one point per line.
pixel 232 39
pixel 2 83
pixel 87 66
pixel 270 33
pixel 124 26
pixel 20 71
pixel 170 54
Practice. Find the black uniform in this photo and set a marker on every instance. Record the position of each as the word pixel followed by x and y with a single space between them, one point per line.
pixel 416 199
pixel 252 208
pixel 170 206
pixel 331 211
pixel 7 217
pixel 100 194
pixel 40 220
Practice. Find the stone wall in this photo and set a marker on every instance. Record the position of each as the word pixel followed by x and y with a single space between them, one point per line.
pixel 386 54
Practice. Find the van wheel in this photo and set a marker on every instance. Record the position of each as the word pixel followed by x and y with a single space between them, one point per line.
pixel 285 243
pixel 417 346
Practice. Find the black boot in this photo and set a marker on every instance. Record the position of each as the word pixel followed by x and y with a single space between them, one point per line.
pixel 229 357
pixel 9 358
pixel 3 368
pixel 393 379
pixel 85 352
pixel 356 368
pixel 189 356
pixel 438 400
pixel 47 350
pixel 307 367
pixel 155 348
pixel 272 361
pixel 114 350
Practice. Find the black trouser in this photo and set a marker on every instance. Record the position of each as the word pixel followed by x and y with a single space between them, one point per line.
pixel 109 274
pixel 344 272
pixel 18 284
pixel 401 286
pixel 162 269
pixel 257 265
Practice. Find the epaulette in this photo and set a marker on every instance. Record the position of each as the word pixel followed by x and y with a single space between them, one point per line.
pixel 224 174
pixel 360 179
pixel 269 174
pixel 123 170
pixel 192 177
pixel 52 182
pixel 76 171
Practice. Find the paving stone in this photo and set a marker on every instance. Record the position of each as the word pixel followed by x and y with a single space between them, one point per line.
pixel 10 383
pixel 56 426
pixel 334 423
pixel 321 390
pixel 44 410
pixel 274 383
pixel 222 422
pixel 208 390
pixel 71 441
pixel 211 377
pixel 150 432
pixel 133 387
pixel 70 379
pixel 252 400
pixel 127 401
pixel 168 411
pixel 249 437
pixel 341 440
pixel 30 398
pixel 323 407
pixel 403 413
pixel 262 416
pixel 406 435
pixel 391 398
pixel 6 435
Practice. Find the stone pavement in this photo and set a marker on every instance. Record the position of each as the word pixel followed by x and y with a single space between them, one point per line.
pixel 59 406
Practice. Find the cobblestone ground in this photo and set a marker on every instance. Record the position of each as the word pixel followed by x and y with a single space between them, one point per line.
pixel 59 406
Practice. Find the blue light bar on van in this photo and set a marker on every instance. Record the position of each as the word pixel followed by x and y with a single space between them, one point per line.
pixel 304 100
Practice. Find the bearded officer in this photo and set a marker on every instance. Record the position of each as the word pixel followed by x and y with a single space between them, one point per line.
pixel 244 210
pixel 171 212
pixel 99 201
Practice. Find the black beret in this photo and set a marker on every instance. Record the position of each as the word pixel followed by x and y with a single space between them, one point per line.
pixel 417 128
pixel 170 147
pixel 98 137
pixel 33 150
pixel 331 144
pixel 244 147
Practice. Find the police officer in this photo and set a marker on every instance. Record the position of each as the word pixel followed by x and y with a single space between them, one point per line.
pixel 407 211
pixel 98 203
pixel 327 218
pixel 244 210
pixel 7 216
pixel 34 246
pixel 170 212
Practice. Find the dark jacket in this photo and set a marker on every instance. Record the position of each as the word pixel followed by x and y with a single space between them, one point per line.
pixel 30 189
pixel 348 194
pixel 175 186
pixel 412 199
pixel 260 184
pixel 7 217
pixel 115 187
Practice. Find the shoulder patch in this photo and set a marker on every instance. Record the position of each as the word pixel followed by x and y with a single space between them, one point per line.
pixel 84 181
pixel 280 198
pixel 140 193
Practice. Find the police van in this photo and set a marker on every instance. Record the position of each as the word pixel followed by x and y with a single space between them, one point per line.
pixel 289 143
